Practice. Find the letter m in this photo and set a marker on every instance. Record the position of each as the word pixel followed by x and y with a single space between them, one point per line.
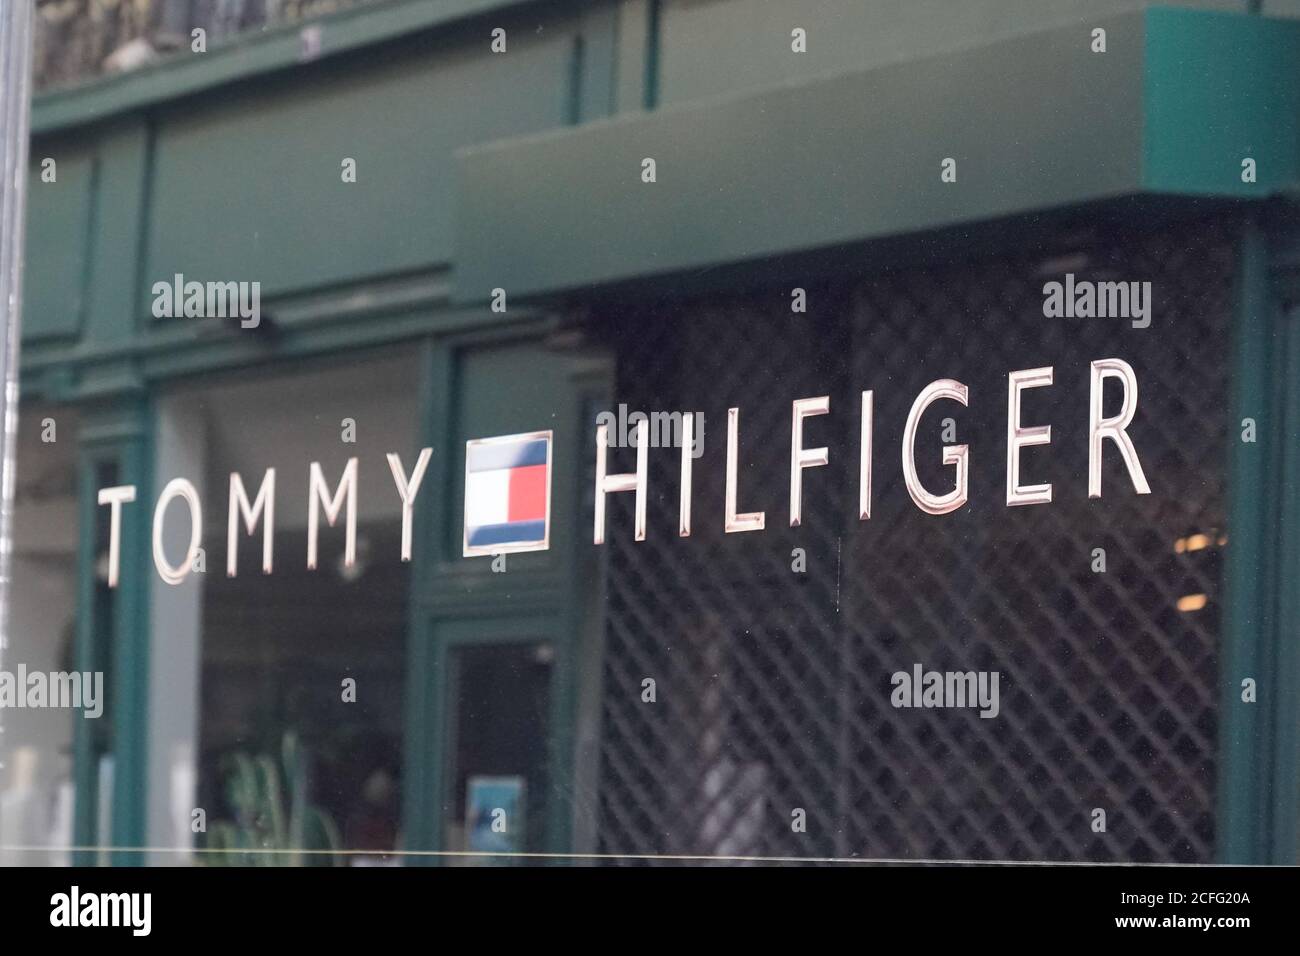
pixel 320 495
pixel 1115 297
pixel 223 299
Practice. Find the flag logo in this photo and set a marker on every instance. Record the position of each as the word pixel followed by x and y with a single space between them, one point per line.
pixel 508 494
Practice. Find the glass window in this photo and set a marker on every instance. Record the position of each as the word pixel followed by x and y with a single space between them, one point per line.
pixel 497 762
pixel 279 697
pixel 36 788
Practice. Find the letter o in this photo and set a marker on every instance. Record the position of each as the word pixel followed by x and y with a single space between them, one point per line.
pixel 177 488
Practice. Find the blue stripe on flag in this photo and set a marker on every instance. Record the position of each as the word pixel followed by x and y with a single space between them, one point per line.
pixel 507 455
pixel 513 532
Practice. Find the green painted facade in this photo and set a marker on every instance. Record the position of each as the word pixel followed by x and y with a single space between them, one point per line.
pixel 478 171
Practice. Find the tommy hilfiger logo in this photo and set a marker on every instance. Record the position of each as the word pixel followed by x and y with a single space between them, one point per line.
pixel 508 494
pixel 508 477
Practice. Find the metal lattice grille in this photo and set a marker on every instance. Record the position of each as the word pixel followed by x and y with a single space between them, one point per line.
pixel 773 687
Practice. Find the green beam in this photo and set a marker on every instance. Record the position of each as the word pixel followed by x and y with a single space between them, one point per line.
pixel 247 56
pixel 803 167
pixel 1034 122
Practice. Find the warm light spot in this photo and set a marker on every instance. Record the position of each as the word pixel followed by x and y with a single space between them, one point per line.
pixel 1192 602
pixel 1195 542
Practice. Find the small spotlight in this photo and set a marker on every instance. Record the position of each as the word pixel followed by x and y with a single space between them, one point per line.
pixel 1192 602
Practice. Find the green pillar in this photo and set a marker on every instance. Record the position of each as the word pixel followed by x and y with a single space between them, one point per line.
pixel 113 629
pixel 1257 794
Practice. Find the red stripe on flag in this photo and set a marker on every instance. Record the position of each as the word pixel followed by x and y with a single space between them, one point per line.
pixel 527 493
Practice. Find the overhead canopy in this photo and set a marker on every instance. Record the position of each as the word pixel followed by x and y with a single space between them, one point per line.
pixel 1176 104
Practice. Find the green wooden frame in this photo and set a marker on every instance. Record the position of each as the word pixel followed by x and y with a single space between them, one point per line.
pixel 86 654
pixel 1284 847
pixel 247 56
pixel 1259 791
pixel 547 604
pixel 120 434
pixel 487 631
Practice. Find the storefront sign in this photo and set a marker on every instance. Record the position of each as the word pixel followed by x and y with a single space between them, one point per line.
pixel 508 478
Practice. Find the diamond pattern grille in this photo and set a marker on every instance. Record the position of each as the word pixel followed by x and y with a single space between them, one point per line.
pixel 773 687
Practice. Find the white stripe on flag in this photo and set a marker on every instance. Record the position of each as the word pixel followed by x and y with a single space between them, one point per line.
pixel 487 498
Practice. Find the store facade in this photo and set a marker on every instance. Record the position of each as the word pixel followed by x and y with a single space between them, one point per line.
pixel 612 215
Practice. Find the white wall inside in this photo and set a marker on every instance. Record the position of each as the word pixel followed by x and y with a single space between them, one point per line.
pixel 175 618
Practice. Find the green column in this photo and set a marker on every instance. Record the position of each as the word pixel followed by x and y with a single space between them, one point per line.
pixel 1239 821
pixel 113 630
pixel 1258 796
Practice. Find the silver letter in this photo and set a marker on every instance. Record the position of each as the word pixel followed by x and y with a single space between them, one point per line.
pixel 115 497
pixel 624 482
pixel 319 494
pixel 1113 428
pixel 800 457
pixel 177 487
pixel 239 507
pixel 408 491
pixel 688 452
pixel 864 464
pixel 753 520
pixel 956 455
pixel 1018 436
